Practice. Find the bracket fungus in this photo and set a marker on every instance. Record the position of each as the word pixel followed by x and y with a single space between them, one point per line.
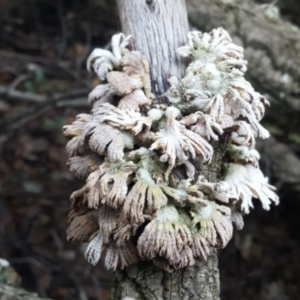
pixel 134 206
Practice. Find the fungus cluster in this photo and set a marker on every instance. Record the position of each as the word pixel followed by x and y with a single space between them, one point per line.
pixel 133 206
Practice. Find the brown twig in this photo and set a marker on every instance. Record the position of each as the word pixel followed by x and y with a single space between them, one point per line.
pixel 55 63
pixel 75 98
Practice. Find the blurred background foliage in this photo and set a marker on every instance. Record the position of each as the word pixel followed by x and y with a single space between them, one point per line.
pixel 44 84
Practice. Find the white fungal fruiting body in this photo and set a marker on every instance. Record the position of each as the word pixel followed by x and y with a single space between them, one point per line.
pixel 94 249
pixel 215 223
pixel 249 182
pixel 135 205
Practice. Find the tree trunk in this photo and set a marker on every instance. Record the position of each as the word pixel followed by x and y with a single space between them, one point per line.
pixel 159 28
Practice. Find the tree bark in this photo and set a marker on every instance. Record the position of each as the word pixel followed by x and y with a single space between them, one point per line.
pixel 159 28
pixel 147 282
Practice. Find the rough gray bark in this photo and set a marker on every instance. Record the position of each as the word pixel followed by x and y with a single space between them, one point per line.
pixel 159 28
pixel 147 282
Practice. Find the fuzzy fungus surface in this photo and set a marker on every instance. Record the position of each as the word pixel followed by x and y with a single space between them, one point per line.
pixel 132 207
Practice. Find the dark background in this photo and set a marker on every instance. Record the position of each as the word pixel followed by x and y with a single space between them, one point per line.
pixel 43 85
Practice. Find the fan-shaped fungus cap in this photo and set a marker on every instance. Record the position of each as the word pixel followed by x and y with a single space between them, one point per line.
pixel 165 236
pixel 83 166
pixel 120 255
pixel 178 143
pixel 215 223
pixel 200 247
pixel 82 227
pixel 203 125
pixel 135 65
pixel 124 120
pixel 145 197
pixel 76 128
pixel 103 61
pixel 102 93
pixel 104 139
pixel 134 101
pixel 249 182
pixel 122 83
pixel 94 248
pixel 114 184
